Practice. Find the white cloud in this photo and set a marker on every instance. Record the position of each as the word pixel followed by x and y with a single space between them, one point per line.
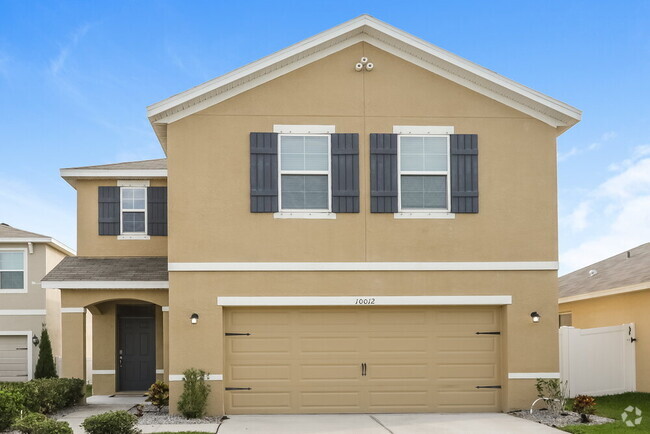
pixel 619 216
pixel 577 150
pixel 57 64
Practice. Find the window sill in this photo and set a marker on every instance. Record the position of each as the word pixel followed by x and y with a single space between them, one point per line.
pixel 425 215
pixel 133 237
pixel 13 291
pixel 305 215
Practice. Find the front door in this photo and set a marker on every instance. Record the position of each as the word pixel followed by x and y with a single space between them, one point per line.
pixel 136 353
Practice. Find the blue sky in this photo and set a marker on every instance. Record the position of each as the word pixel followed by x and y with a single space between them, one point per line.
pixel 75 78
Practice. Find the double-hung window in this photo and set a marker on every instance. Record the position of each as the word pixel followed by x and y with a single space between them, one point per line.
pixel 12 270
pixel 423 173
pixel 133 210
pixel 304 165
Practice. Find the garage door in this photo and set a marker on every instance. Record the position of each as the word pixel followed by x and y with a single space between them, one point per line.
pixel 361 360
pixel 13 358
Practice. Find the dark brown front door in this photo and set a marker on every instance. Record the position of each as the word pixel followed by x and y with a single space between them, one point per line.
pixel 136 353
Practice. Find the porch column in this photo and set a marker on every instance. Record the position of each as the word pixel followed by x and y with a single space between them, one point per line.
pixel 73 332
pixel 165 315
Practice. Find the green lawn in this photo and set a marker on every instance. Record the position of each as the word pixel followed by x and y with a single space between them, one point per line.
pixel 612 406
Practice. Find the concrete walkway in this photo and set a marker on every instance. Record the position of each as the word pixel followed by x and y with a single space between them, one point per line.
pixel 460 423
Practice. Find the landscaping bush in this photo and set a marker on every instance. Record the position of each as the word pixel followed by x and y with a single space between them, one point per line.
pixel 45 367
pixel 158 394
pixel 113 422
pixel 47 395
pixel 11 404
pixel 194 398
pixel 554 392
pixel 585 405
pixel 35 423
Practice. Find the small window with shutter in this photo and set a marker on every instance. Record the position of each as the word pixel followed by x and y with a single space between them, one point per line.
pixel 133 212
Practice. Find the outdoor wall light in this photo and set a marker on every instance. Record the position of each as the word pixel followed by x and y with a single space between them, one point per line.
pixel 35 340
pixel 536 317
pixel 194 318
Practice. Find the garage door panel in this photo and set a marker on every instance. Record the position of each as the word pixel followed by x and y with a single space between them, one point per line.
pixel 418 359
pixel 250 318
pixel 13 358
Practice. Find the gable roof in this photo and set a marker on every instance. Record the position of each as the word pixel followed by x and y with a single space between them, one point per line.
pixel 384 36
pixel 128 170
pixel 614 275
pixel 10 234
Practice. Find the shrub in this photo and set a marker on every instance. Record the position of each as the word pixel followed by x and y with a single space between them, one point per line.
pixel 11 405
pixel 35 423
pixel 113 422
pixel 48 395
pixel 585 405
pixel 158 394
pixel 194 398
pixel 45 367
pixel 554 393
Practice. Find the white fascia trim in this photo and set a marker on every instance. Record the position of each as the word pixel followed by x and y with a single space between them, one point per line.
pixel 362 266
pixel 133 183
pixel 532 375
pixel 425 215
pixel 160 371
pixel 103 371
pixel 22 312
pixel 606 292
pixel 305 215
pixel 365 300
pixel 304 129
pixel 422 129
pixel 371 30
pixel 73 309
pixel 119 173
pixel 30 349
pixel 117 284
pixel 47 240
pixel 165 308
pixel 209 377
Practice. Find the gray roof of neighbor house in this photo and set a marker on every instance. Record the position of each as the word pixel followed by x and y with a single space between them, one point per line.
pixel 10 234
pixel 158 164
pixel 628 268
pixel 136 269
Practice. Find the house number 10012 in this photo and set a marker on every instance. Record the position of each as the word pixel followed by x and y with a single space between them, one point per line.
pixel 365 301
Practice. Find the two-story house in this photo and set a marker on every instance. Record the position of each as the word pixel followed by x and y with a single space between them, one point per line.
pixel 25 307
pixel 361 222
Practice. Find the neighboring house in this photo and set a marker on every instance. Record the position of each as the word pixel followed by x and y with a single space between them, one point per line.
pixel 25 257
pixel 361 222
pixel 612 292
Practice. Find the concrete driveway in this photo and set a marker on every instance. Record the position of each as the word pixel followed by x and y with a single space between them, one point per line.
pixel 484 423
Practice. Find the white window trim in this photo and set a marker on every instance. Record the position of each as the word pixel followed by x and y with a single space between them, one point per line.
pixel 305 215
pixel 25 287
pixel 122 211
pixel 133 183
pixel 304 129
pixel 134 236
pixel 30 350
pixel 328 172
pixel 422 129
pixel 426 213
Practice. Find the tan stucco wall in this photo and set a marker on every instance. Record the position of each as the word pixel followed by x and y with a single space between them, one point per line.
pixel 615 310
pixel 90 243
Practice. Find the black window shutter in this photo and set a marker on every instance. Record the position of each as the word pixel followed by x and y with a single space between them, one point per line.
pixel 383 173
pixel 464 173
pixel 157 211
pixel 264 172
pixel 345 173
pixel 109 210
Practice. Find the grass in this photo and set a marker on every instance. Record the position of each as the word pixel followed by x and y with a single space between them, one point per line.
pixel 612 406
pixel 186 432
pixel 89 390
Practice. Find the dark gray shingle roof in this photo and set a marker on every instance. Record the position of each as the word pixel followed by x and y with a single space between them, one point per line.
pixel 158 164
pixel 7 231
pixel 611 273
pixel 140 268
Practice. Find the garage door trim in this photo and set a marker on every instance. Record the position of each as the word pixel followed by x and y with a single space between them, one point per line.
pixel 365 300
pixel 28 341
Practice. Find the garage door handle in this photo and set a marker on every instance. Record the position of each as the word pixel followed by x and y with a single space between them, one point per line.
pixel 488 387
pixel 363 369
pixel 238 334
pixel 488 333
pixel 238 388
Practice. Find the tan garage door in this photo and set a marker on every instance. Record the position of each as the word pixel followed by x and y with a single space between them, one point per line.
pixel 361 360
pixel 13 358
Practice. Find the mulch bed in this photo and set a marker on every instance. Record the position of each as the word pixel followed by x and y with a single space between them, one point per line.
pixel 563 419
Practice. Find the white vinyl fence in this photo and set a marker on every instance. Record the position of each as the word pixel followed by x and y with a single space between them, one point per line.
pixel 598 361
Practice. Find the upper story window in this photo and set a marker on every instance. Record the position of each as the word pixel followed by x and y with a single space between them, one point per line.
pixel 134 210
pixel 12 269
pixel 423 162
pixel 304 181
